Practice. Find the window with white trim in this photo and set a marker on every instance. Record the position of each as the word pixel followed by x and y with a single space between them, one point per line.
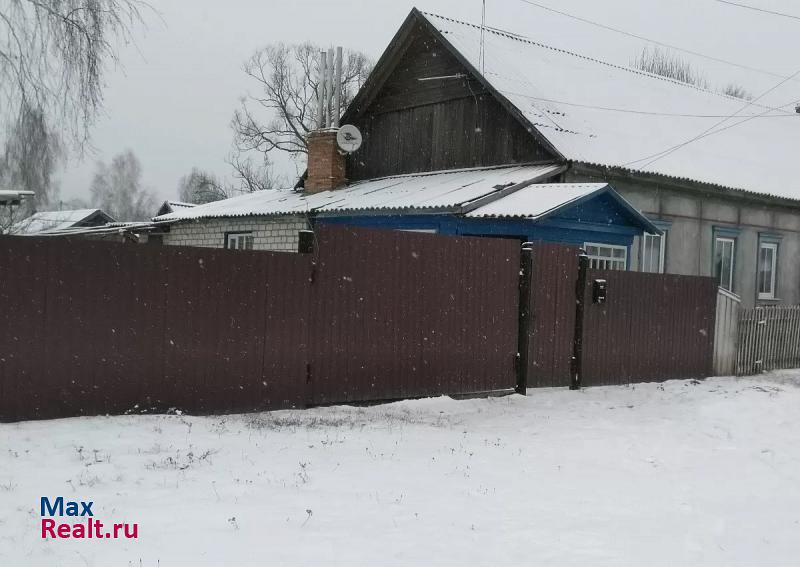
pixel 239 241
pixel 724 261
pixel 767 268
pixel 653 251
pixel 606 256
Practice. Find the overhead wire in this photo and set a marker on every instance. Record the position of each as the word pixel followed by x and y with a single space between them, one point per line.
pixel 756 9
pixel 787 114
pixel 653 41
pixel 713 129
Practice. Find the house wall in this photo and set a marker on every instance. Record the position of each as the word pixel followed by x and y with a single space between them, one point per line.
pixel 448 122
pixel 278 234
pixel 694 215
pixel 601 224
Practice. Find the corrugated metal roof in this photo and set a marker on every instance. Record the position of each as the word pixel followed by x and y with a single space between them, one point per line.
pixel 180 205
pixel 599 113
pixel 536 201
pixel 51 220
pixel 447 191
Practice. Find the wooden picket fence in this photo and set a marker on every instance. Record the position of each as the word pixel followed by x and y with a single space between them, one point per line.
pixel 726 332
pixel 768 339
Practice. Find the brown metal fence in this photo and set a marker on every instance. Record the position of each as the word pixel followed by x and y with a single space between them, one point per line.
pixel 652 327
pixel 555 270
pixel 90 327
pixel 407 314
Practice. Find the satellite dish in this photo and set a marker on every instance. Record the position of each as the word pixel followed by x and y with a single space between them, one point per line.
pixel 349 138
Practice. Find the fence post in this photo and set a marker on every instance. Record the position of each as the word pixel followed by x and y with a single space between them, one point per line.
pixel 524 332
pixel 576 367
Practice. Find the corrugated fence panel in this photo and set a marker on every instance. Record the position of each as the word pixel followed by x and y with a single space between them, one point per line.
pixel 555 270
pixel 95 327
pixel 652 327
pixel 92 327
pixel 405 315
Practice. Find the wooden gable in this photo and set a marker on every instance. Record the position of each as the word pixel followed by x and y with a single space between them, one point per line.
pixel 448 120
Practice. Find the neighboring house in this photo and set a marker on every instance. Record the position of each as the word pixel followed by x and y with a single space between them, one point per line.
pixel 727 201
pixel 13 198
pixel 48 222
pixel 168 207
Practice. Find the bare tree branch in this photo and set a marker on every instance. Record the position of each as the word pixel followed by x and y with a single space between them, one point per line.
pixel 53 55
pixel 283 111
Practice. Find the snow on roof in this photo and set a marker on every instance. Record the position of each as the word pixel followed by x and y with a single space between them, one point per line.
pixel 179 204
pixel 425 192
pixel 538 201
pixel 7 195
pixel 535 201
pixel 52 220
pixel 599 113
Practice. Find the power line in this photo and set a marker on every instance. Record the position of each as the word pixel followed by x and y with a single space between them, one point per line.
pixel 712 130
pixel 786 114
pixel 653 41
pixel 755 9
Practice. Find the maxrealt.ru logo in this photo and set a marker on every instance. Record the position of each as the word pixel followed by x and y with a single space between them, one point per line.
pixel 87 527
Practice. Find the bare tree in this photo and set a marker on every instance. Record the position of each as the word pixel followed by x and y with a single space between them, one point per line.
pixel 737 91
pixel 53 54
pixel 117 189
pixel 280 115
pixel 200 187
pixel 668 65
pixel 30 157
pixel 252 175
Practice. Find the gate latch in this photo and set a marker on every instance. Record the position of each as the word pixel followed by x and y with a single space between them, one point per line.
pixel 599 289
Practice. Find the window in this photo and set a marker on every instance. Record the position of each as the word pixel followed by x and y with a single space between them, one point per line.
pixel 653 248
pixel 239 241
pixel 724 255
pixel 606 256
pixel 767 264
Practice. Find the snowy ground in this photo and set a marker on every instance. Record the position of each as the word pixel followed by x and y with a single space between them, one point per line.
pixel 685 473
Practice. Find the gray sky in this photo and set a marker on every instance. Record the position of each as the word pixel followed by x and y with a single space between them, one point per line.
pixel 172 98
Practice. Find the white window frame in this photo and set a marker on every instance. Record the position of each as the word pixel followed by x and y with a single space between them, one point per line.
pixel 598 262
pixel 239 240
pixel 662 247
pixel 732 241
pixel 773 270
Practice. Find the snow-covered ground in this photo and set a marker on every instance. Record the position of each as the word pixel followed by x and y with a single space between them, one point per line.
pixel 684 473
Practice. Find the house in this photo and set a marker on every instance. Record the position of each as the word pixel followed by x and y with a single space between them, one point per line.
pixel 10 198
pixel 49 222
pixel 172 206
pixel 723 203
pixel 727 200
pixel 505 202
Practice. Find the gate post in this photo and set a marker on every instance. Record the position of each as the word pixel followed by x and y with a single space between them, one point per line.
pixel 576 366
pixel 524 332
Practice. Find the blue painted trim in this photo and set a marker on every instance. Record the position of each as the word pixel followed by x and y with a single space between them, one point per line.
pixel 770 237
pixel 727 231
pixel 577 225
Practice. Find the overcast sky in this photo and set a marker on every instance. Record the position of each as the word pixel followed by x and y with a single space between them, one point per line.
pixel 172 98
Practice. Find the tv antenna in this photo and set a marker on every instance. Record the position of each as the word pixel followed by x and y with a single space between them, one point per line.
pixel 482 56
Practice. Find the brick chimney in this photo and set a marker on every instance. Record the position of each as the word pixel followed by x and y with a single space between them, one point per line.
pixel 326 165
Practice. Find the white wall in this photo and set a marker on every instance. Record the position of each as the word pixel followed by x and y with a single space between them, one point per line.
pixel 278 234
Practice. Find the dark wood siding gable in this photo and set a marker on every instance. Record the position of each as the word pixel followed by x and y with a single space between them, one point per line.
pixel 447 123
